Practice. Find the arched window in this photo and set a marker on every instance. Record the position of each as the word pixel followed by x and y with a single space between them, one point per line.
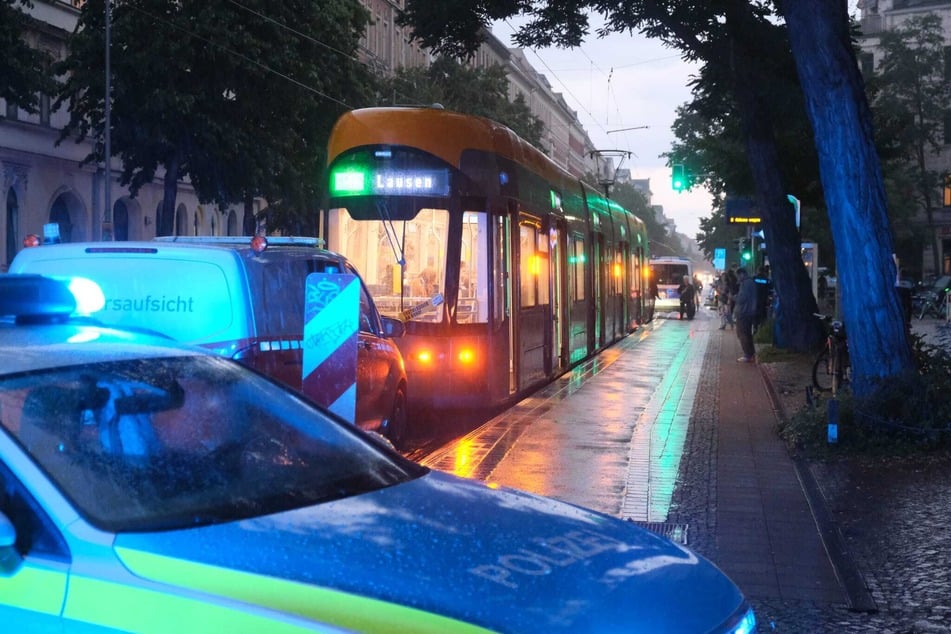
pixel 59 213
pixel 120 221
pixel 13 224
pixel 181 221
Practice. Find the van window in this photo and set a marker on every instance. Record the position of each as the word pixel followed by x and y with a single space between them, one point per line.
pixel 278 293
pixel 188 300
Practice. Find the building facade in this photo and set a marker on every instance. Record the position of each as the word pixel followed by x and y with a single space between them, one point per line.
pixel 875 18
pixel 42 182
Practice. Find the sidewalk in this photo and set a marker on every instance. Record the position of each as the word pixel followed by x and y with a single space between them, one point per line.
pixel 768 539
pixel 688 448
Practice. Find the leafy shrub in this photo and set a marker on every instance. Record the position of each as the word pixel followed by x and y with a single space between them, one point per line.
pixel 906 413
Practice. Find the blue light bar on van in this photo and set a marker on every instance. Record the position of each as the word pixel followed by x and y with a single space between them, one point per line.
pixel 355 181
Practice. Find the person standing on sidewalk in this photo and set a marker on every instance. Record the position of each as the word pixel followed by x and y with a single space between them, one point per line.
pixel 745 314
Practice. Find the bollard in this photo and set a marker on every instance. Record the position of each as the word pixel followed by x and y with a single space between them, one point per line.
pixel 833 429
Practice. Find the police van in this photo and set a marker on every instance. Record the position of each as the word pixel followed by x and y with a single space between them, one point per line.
pixel 243 298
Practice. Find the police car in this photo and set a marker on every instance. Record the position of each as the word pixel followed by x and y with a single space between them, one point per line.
pixel 151 487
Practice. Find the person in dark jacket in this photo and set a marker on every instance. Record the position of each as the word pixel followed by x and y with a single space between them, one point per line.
pixel 688 298
pixel 744 313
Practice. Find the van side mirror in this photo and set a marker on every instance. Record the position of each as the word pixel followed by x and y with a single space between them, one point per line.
pixel 9 557
pixel 393 327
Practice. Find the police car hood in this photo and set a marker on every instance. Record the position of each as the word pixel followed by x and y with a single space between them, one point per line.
pixel 502 559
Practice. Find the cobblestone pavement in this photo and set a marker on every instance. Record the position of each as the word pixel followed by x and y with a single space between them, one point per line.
pixel 893 516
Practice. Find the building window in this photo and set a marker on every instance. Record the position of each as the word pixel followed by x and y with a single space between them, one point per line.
pixel 867 63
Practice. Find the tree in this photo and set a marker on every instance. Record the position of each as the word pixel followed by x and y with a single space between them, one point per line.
pixel 23 68
pixel 910 97
pixel 478 91
pixel 879 348
pixel 734 32
pixel 234 97
pixel 709 140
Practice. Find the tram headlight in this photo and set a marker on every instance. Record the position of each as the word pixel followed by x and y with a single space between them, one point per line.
pixel 467 356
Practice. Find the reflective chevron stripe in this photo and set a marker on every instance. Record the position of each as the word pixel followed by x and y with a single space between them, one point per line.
pixel 331 311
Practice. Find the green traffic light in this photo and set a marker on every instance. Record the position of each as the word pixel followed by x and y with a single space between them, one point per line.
pixel 678 179
pixel 747 256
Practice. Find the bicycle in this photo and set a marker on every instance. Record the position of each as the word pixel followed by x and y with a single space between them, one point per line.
pixel 832 368
pixel 934 304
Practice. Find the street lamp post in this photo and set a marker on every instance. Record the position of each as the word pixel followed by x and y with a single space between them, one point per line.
pixel 107 149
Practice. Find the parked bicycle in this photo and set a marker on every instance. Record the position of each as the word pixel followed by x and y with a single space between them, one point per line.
pixel 934 300
pixel 832 368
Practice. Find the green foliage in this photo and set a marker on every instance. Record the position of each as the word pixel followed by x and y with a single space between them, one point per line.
pixel 764 334
pixel 237 98
pixel 906 413
pixel 710 140
pixel 23 69
pixel 909 95
pixel 479 91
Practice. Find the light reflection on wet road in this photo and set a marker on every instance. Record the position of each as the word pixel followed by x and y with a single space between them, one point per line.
pixel 609 435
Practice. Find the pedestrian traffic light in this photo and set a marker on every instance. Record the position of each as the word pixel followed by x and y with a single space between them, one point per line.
pixel 679 178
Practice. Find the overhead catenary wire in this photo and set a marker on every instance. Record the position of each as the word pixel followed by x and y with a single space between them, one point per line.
pixel 241 56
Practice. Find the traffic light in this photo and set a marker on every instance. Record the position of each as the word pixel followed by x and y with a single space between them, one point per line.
pixel 745 250
pixel 678 179
pixel 947 190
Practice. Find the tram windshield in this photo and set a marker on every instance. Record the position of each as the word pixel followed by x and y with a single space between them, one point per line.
pixel 415 290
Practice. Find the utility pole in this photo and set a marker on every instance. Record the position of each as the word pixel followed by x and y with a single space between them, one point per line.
pixel 107 163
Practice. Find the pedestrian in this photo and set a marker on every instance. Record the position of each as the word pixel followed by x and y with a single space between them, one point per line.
pixel 822 286
pixel 744 312
pixel 688 299
pixel 698 287
pixel 725 292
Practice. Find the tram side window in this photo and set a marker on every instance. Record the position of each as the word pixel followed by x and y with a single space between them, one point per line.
pixel 473 304
pixel 576 261
pixel 534 271
pixel 528 273
pixel 618 273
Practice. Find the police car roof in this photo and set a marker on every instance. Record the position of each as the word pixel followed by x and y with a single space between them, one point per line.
pixel 38 329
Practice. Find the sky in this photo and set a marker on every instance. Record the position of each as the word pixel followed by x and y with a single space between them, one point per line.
pixel 626 81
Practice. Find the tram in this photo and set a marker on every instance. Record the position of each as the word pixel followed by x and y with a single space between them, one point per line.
pixel 506 269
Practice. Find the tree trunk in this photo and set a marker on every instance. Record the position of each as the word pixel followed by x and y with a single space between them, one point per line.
pixel 796 327
pixel 165 222
pixel 855 194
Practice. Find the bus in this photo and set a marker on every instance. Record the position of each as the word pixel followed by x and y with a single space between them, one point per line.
pixel 668 272
pixel 506 269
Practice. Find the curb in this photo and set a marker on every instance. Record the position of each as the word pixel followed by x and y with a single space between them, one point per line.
pixel 846 570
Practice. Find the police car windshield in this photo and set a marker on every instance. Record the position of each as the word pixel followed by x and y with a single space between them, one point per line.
pixel 163 443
